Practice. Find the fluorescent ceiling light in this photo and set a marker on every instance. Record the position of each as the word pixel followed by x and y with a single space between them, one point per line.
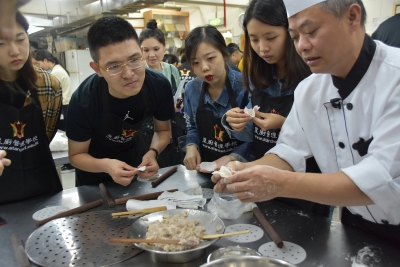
pixel 33 29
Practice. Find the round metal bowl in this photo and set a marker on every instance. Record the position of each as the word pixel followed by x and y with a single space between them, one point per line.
pixel 207 220
pixel 231 251
pixel 248 261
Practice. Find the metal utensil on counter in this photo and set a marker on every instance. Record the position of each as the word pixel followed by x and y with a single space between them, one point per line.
pixel 232 251
pixel 81 240
pixel 248 261
pixel 210 222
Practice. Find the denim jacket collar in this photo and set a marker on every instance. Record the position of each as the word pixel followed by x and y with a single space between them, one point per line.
pixel 223 99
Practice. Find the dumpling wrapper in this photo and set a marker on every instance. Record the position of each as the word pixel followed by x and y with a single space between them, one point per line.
pixel 251 112
pixel 142 169
pixel 208 166
pixel 224 172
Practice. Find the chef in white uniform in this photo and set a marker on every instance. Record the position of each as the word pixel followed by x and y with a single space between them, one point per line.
pixel 346 115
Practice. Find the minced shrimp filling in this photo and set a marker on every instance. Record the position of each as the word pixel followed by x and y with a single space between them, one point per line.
pixel 177 227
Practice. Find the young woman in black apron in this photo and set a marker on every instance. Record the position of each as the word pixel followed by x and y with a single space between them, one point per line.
pixel 152 42
pixel 215 90
pixel 271 74
pixel 23 132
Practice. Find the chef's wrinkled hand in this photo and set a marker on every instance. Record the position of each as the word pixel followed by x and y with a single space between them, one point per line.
pixel 3 161
pixel 237 119
pixel 192 157
pixel 254 184
pixel 120 172
pixel 268 121
pixel 151 164
pixel 216 178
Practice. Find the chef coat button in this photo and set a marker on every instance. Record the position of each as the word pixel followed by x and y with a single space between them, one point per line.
pixel 349 106
pixel 341 145
pixel 385 222
pixel 355 146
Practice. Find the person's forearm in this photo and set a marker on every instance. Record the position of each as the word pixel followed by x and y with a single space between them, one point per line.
pixel 270 160
pixel 86 162
pixel 335 189
pixel 160 140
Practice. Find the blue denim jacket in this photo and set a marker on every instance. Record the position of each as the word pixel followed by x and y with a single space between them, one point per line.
pixel 219 108
pixel 246 134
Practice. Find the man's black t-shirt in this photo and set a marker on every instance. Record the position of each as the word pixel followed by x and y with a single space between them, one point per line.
pixel 85 111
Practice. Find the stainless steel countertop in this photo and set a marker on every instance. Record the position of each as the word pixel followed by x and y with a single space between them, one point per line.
pixel 327 243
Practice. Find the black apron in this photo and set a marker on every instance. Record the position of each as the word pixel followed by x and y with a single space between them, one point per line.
pixel 23 135
pixel 115 139
pixel 215 142
pixel 387 231
pixel 265 140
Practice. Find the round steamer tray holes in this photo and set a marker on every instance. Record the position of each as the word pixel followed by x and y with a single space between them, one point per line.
pixel 152 178
pixel 81 240
pixel 255 233
pixel 48 212
pixel 290 252
pixel 208 193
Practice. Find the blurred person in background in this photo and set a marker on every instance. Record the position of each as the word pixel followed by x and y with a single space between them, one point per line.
pixel 171 59
pixel 388 31
pixel 152 42
pixel 45 60
pixel 236 55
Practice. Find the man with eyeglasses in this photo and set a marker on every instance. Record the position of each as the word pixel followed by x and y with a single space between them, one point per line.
pixel 107 110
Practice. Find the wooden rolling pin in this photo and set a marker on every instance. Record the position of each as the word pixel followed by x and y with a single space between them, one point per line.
pixel 80 209
pixel 155 195
pixel 107 195
pixel 268 227
pixel 164 176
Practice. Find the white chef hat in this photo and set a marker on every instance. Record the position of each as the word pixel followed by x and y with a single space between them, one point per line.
pixel 295 6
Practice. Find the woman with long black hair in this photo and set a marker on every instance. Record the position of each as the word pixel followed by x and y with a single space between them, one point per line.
pixel 30 104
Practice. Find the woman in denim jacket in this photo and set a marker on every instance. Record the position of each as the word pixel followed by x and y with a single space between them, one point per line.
pixel 272 70
pixel 216 90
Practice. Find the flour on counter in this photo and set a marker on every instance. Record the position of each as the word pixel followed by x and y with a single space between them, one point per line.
pixel 368 256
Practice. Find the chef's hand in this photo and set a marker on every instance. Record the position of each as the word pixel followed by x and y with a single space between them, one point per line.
pixel 192 157
pixel 237 119
pixel 255 184
pixel 149 160
pixel 120 172
pixel 222 161
pixel 3 161
pixel 216 178
pixel 268 121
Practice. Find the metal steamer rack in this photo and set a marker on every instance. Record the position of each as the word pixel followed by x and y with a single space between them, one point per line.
pixel 81 240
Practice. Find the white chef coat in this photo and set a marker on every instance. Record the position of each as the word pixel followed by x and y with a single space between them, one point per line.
pixel 315 128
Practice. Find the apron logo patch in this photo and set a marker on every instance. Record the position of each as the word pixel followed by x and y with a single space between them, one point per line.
pixel 128 133
pixel 185 72
pixel 274 111
pixel 18 129
pixel 218 133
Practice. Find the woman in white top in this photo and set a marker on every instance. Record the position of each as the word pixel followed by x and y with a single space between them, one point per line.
pixel 153 45
pixel 46 61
